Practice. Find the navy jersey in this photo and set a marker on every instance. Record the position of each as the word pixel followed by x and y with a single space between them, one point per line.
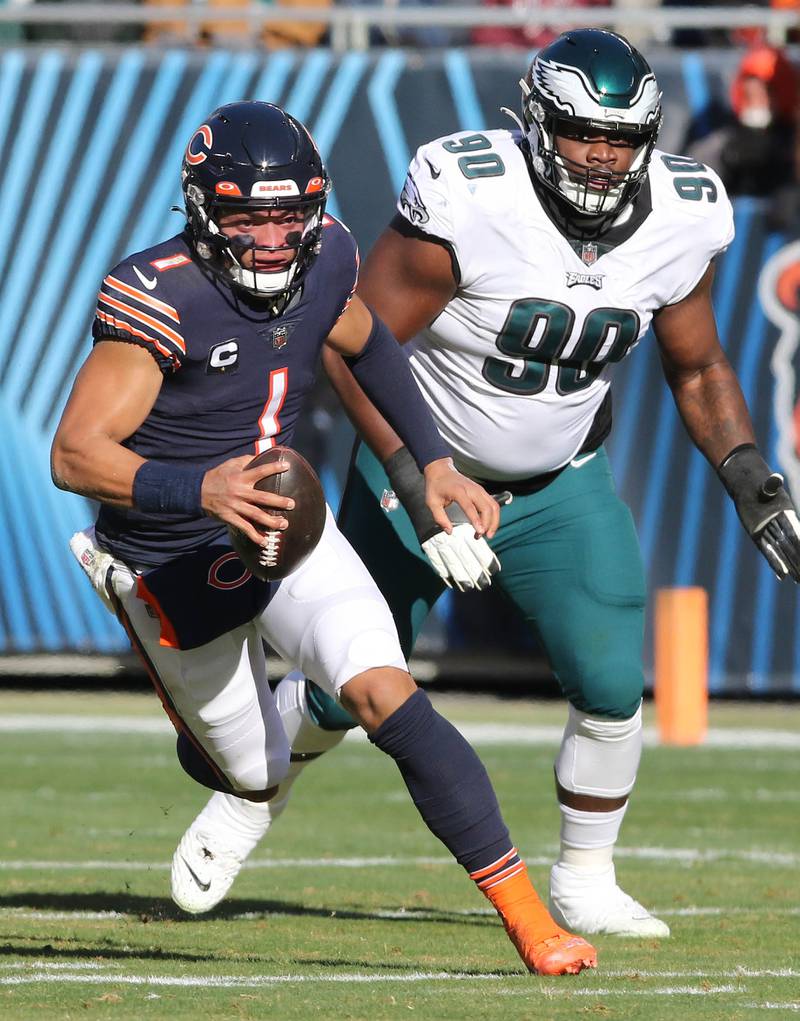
pixel 234 378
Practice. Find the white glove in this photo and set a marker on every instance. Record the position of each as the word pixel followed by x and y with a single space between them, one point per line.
pixel 95 563
pixel 460 559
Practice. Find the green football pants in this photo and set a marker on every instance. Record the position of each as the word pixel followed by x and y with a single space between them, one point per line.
pixel 570 562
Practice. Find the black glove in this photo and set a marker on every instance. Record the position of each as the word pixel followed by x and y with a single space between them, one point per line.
pixel 458 558
pixel 764 507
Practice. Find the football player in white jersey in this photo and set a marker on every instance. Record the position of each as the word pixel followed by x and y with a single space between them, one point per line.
pixel 521 266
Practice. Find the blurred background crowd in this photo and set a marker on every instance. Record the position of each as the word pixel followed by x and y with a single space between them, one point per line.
pixel 751 139
pixel 531 35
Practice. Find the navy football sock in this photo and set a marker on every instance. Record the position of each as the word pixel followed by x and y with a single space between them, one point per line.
pixel 447 781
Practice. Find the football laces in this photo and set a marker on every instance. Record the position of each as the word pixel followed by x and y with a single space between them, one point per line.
pixel 269 550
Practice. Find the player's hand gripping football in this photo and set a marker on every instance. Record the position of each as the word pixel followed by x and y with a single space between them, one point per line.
pixel 765 509
pixel 453 538
pixel 229 493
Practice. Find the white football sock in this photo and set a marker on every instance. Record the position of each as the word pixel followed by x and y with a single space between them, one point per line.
pixel 598 758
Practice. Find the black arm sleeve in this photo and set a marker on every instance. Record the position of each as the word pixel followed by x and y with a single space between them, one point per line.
pixel 382 370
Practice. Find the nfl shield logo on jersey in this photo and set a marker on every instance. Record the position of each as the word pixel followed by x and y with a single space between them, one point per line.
pixel 280 337
pixel 779 291
pixel 389 501
pixel 589 253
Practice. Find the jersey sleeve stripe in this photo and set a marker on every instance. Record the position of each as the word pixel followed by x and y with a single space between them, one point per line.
pixel 353 288
pixel 145 320
pixel 145 299
pixel 120 324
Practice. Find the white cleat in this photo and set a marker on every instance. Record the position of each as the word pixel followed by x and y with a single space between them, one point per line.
pixel 203 871
pixel 590 902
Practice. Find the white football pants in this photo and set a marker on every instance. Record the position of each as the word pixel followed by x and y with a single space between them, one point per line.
pixel 327 618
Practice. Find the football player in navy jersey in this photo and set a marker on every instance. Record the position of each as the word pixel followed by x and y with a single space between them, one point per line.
pixel 205 347
pixel 520 267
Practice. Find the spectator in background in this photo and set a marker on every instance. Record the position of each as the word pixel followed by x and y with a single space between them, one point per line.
pixel 532 34
pixel 413 35
pixel 754 152
pixel 99 31
pixel 275 34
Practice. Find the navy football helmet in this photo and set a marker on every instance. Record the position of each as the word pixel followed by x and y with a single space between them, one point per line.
pixel 254 156
pixel 590 81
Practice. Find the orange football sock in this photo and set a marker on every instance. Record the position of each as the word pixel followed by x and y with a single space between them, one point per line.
pixel 516 901
pixel 545 948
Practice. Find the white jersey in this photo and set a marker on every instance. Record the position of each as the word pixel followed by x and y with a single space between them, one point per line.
pixel 518 364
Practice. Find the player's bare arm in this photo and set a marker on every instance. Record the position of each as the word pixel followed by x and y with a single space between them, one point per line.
pixel 443 484
pixel 408 282
pixel 113 394
pixel 712 406
pixel 705 387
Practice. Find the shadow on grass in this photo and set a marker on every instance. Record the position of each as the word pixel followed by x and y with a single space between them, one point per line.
pixel 81 949
pixel 149 909
pixel 72 948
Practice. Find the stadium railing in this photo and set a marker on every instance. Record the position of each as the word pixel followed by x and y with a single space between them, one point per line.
pixel 350 25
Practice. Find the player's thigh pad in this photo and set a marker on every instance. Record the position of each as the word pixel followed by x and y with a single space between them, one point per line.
pixel 218 692
pixel 328 617
pixel 571 563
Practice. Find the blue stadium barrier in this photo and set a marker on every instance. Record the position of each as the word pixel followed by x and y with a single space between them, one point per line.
pixel 92 141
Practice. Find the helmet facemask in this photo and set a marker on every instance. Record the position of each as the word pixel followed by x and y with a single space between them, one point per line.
pixel 226 254
pixel 590 191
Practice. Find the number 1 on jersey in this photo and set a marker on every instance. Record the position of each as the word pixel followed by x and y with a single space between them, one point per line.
pixel 268 423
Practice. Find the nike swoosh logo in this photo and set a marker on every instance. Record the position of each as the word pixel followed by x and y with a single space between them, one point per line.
pixel 149 283
pixel 203 886
pixel 434 172
pixel 579 462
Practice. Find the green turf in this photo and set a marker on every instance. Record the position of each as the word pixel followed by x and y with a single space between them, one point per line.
pixel 323 939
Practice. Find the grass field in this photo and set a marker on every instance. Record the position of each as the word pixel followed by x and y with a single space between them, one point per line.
pixel 352 910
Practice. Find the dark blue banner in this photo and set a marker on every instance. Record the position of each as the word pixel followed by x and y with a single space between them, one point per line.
pixel 92 145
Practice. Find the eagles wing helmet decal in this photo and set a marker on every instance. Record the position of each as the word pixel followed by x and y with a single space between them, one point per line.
pixel 570 89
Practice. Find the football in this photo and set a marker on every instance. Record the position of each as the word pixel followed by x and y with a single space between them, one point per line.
pixel 284 551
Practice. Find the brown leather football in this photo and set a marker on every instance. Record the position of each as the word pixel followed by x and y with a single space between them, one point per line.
pixel 284 551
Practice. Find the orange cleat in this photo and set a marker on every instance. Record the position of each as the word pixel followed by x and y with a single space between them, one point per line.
pixel 558 954
pixel 545 948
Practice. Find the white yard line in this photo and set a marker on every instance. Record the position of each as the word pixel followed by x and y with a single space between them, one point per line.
pixel 483 734
pixel 399 915
pixel 795 1007
pixel 740 972
pixel 684 855
pixel 46 975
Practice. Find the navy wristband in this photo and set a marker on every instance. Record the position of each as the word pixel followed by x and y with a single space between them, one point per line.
pixel 384 374
pixel 160 488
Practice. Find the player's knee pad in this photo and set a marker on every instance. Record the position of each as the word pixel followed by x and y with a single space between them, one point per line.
pixel 599 757
pixel 199 768
pixel 353 636
pixel 249 771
